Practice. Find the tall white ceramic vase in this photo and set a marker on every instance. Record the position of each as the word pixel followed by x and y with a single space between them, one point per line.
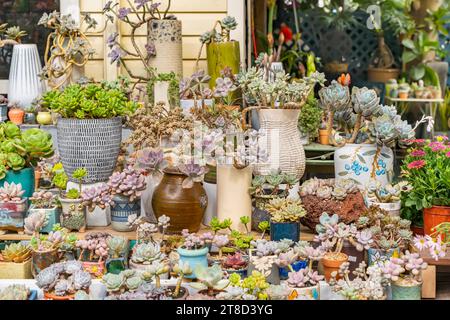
pixel 24 82
pixel 233 197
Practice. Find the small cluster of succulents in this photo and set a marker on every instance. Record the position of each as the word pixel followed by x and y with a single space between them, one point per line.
pixel 63 278
pixel 210 279
pixel 253 287
pixel 389 193
pixel 15 292
pixel 35 222
pixel 43 199
pixel 11 192
pixel 405 269
pixel 127 280
pixel 367 285
pixel 117 246
pixel 144 229
pixel 285 210
pixel 304 278
pixel 328 188
pixel 235 261
pixel 147 253
pixel 196 87
pixel 227 24
pixel 94 246
pixel 16 252
pixel 192 241
pixel 386 231
pixel 270 184
pixel 146 291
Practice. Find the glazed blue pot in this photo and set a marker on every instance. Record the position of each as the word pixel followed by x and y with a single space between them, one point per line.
pixel 25 177
pixel 33 295
pixel 53 217
pixel 375 256
pixel 406 293
pixel 297 265
pixel 3 112
pixel 195 258
pixel 284 230
pixel 121 210
pixel 241 272
pixel 116 265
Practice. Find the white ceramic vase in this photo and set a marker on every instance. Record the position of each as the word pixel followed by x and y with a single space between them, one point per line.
pixel 364 162
pixel 24 82
pixel 233 198
pixel 281 139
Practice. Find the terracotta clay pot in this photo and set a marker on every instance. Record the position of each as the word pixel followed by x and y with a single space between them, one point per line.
pixel 49 296
pixel 324 138
pixel 434 216
pixel 184 206
pixel 331 262
pixel 382 74
pixel 16 115
pixel 417 230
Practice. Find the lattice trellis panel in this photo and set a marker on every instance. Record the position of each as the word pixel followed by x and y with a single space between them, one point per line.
pixel 357 44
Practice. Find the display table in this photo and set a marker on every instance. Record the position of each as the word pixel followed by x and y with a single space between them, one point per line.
pixel 429 275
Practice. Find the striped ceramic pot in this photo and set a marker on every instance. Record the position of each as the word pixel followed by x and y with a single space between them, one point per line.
pixel 121 210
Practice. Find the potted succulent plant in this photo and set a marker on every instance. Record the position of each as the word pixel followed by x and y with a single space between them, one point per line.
pixel 20 152
pixel 332 234
pixel 46 202
pixel 122 193
pixel 16 114
pixel 194 92
pixel 341 197
pixel 278 104
pixel 403 90
pixel 405 275
pixel 235 263
pixel 210 281
pixel 387 197
pixel 15 262
pixel 30 115
pixel 62 280
pixel 163 49
pixel 3 108
pixel 266 188
pixel 285 217
pixel 117 260
pixel 93 252
pixel 18 292
pixel 368 284
pixel 253 287
pixel 426 168
pixel 73 215
pixel 91 120
pixel 309 120
pixel 386 235
pixel 145 254
pixel 193 251
pixel 221 51
pixel 369 129
pixel 13 207
pixel 263 257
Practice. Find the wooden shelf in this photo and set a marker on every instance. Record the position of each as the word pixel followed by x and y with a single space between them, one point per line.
pixel 305 234
pixel 438 100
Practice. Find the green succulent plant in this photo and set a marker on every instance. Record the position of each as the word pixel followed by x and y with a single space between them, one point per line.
pixel 15 292
pixel 285 210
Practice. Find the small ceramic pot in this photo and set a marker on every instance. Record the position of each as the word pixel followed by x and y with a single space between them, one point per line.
pixel 44 118
pixel 116 265
pixel 403 94
pixel 29 118
pixel 406 291
pixel 12 215
pixel 376 256
pixel 16 116
pixel 73 215
pixel 297 265
pixel 121 210
pixel 96 268
pixel 43 259
pixel 284 230
pixel 331 262
pixel 194 258
pixel 324 138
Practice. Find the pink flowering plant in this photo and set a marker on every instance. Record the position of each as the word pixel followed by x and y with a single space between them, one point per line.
pixel 436 243
pixel 405 270
pixel 427 169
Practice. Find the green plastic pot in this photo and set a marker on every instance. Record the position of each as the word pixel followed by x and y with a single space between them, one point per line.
pixel 25 177
pixel 220 55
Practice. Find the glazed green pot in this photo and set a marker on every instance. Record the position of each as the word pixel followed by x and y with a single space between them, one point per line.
pixel 25 177
pixel 402 292
pixel 221 55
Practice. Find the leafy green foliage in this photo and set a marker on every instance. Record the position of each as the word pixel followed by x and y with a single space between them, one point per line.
pixel 60 180
pixel 92 101
pixel 73 194
pixel 310 117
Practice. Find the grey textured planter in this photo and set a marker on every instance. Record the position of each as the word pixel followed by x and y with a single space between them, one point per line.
pixel 93 144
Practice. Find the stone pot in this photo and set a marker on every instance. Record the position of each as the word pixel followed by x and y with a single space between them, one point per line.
pixel 184 206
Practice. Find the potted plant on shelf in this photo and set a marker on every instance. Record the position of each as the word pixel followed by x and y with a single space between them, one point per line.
pixel 193 251
pixel 403 90
pixel 332 234
pixel 427 168
pixel 405 275
pixel 368 284
pixel 162 51
pixel 93 252
pixel 210 282
pixel 3 108
pixel 45 202
pixel 387 197
pixel 16 114
pixel 73 215
pixel 91 120
pixel 285 217
pixel 15 262
pixel 62 280
pixel 386 235
pixel 369 129
pixel 194 92
pixel 235 263
pixel 266 188
pixel 13 207
pixel 309 120
pixel 30 115
pixel 20 152
pixel 221 51
pixel 117 260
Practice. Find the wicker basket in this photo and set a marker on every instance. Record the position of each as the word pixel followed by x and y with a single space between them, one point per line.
pixel 89 143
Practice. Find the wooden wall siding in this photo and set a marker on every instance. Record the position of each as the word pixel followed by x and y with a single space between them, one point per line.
pixel 197 16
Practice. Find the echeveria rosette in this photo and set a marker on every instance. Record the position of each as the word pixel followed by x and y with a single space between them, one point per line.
pixel 38 144
pixel 151 161
pixel 194 172
pixel 365 101
pixel 335 97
